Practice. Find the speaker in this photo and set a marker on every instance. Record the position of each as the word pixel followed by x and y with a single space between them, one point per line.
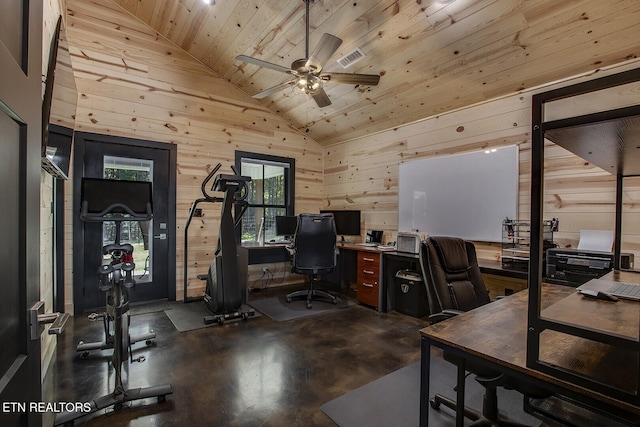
pixel 626 261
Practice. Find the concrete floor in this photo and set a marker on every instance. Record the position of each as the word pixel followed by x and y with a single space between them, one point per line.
pixel 257 372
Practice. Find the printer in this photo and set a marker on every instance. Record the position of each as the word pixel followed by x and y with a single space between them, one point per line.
pixel 573 267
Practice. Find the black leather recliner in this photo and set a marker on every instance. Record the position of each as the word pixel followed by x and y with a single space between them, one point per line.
pixel 454 281
pixel 454 285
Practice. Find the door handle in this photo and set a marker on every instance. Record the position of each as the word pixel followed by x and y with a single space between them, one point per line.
pixel 161 236
pixel 38 318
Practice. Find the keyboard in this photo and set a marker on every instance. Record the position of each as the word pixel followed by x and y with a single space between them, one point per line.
pixel 625 290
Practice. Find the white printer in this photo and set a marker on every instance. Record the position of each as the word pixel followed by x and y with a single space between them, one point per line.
pixel 409 241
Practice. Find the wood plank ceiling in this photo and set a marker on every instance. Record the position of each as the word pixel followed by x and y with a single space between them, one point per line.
pixel 433 56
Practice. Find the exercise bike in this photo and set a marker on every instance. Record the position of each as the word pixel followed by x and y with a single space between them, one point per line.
pixel 121 259
pixel 119 254
pixel 225 293
pixel 110 200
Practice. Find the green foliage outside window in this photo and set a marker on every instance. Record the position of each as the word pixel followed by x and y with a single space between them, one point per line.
pixel 271 181
pixel 127 174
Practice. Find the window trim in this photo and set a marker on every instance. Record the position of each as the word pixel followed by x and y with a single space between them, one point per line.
pixel 290 184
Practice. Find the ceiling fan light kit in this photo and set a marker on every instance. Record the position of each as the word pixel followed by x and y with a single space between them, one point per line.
pixel 308 85
pixel 308 77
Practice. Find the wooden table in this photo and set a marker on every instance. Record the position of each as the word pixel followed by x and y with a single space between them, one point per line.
pixel 496 335
pixel 389 261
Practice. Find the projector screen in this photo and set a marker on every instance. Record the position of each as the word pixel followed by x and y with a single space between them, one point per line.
pixel 463 195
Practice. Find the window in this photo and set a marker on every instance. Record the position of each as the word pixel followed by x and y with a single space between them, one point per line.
pixel 271 193
pixel 133 232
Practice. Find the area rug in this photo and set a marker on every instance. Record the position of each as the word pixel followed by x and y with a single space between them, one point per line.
pixel 190 316
pixel 280 310
pixel 394 399
pixel 153 307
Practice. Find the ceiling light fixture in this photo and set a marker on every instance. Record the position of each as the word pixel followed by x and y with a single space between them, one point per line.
pixel 307 74
pixel 308 84
pixel 209 2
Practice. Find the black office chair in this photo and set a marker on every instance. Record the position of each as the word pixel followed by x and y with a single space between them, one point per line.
pixel 454 285
pixel 314 253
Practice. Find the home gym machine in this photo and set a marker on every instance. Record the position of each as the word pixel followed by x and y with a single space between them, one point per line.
pixel 107 319
pixel 110 200
pixel 125 253
pixel 225 293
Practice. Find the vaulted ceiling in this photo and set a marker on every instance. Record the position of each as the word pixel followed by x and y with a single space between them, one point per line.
pixel 432 55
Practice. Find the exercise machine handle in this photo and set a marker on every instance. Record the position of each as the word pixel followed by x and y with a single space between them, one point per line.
pixel 203 187
pixel 119 211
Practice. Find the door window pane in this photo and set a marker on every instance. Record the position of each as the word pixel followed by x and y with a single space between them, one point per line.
pixel 134 232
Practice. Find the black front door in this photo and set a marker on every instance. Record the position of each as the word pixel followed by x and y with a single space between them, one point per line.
pixel 153 241
pixel 20 148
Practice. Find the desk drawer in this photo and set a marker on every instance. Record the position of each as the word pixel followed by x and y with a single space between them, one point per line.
pixel 368 292
pixel 367 260
pixel 368 278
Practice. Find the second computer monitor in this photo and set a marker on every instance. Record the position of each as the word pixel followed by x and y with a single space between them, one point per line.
pixel 347 222
pixel 286 225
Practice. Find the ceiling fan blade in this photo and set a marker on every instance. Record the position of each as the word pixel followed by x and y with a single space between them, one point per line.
pixel 321 98
pixel 261 63
pixel 358 79
pixel 272 90
pixel 325 49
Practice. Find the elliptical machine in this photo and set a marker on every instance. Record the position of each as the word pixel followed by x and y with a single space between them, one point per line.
pixel 110 200
pixel 225 293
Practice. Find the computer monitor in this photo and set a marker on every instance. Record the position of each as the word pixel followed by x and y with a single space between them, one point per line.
pixel 347 221
pixel 286 225
pixel 100 197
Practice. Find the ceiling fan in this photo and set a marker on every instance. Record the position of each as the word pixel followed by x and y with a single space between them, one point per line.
pixel 307 73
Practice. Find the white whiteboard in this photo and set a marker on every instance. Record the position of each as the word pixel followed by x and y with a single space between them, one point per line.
pixel 463 195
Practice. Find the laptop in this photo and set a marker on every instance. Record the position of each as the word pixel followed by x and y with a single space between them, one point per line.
pixel 624 290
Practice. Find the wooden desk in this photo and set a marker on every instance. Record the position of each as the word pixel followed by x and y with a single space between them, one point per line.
pixel 500 281
pixel 612 318
pixel 370 283
pixel 388 262
pixel 496 335
pixel 260 253
pixel 497 280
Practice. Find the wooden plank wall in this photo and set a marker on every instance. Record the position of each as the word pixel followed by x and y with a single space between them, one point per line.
pixel 363 173
pixel 134 83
